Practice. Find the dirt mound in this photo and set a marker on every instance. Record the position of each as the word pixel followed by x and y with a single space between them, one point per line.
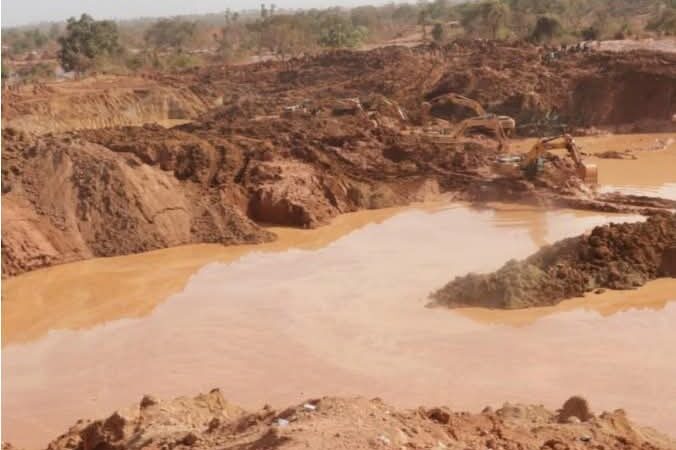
pixel 294 143
pixel 123 190
pixel 66 199
pixel 576 407
pixel 616 256
pixel 542 88
pixel 209 422
pixel 546 88
pixel 99 102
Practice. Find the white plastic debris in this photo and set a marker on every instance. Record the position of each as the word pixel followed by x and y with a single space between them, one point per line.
pixel 385 440
pixel 281 423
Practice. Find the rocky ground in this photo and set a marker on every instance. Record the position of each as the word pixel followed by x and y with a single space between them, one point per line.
pixel 290 146
pixel 208 421
pixel 615 256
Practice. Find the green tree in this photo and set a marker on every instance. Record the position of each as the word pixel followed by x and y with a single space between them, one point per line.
pixel 590 33
pixel 4 71
pixel 663 21
pixel 438 32
pixel 86 40
pixel 338 32
pixel 486 18
pixel 35 38
pixel 170 33
pixel 496 15
pixel 423 16
pixel 546 28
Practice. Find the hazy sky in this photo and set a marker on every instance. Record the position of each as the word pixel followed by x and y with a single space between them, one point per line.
pixel 22 12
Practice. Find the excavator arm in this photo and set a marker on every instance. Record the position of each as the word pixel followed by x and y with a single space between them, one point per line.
pixel 506 123
pixel 489 123
pixel 462 101
pixel 587 172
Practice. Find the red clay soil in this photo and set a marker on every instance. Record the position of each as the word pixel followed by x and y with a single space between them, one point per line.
pixel 125 190
pixel 287 146
pixel 615 256
pixel 207 421
pixel 630 91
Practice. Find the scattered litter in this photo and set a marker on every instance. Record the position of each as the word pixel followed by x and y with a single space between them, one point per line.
pixel 384 439
pixel 282 423
pixel 309 407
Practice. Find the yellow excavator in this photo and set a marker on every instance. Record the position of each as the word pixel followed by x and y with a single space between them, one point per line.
pixel 507 123
pixel 532 163
pixel 500 126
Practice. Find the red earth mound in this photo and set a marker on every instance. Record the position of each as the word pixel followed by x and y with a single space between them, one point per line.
pixel 210 422
pixel 616 256
pixel 294 143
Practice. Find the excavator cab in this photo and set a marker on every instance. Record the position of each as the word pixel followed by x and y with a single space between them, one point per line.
pixel 500 127
pixel 531 164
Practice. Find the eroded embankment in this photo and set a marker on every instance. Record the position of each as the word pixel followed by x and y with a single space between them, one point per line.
pixel 616 256
pixel 126 190
pixel 208 421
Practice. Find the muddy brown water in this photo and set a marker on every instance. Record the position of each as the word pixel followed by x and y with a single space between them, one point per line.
pixel 333 311
pixel 339 311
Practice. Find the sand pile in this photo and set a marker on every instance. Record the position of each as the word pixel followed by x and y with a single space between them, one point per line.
pixel 616 256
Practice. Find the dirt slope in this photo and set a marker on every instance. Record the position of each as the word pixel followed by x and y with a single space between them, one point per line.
pixel 66 199
pixel 629 90
pixel 616 256
pixel 124 189
pixel 97 102
pixel 210 422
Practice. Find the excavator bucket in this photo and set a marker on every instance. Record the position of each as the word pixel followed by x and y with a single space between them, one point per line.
pixel 589 173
